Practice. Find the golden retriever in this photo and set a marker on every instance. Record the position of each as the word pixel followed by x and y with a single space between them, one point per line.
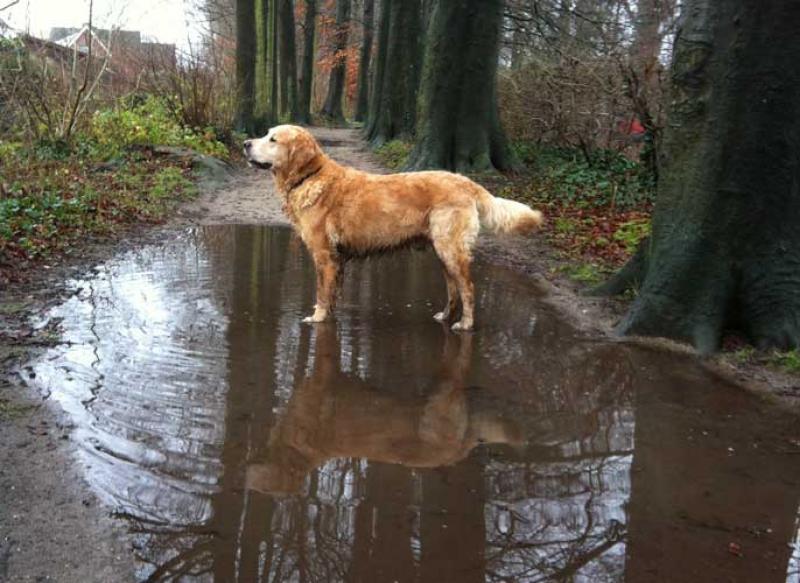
pixel 335 415
pixel 341 212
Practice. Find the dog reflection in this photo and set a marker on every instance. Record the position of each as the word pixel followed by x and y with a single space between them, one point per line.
pixel 336 415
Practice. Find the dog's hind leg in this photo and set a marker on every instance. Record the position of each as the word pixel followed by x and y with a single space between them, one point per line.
pixel 453 233
pixel 466 290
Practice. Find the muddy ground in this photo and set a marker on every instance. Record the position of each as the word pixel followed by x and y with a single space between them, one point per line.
pixel 52 525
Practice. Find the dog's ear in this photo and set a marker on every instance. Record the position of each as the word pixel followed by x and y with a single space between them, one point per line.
pixel 305 157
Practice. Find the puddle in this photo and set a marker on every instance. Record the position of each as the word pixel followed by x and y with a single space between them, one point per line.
pixel 239 444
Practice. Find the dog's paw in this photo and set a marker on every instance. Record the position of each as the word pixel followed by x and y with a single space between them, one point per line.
pixel 461 326
pixel 440 317
pixel 314 319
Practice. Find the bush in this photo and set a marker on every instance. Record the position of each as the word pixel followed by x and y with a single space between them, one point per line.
pixel 149 122
pixel 604 178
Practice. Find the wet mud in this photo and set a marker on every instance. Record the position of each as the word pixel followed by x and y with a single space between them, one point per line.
pixel 238 444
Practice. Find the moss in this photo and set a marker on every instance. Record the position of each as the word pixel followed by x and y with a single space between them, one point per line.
pixel 394 154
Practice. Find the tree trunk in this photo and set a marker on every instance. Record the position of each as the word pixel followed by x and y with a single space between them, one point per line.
pixel 245 65
pixel 333 102
pixel 363 64
pixel 273 49
pixel 394 114
pixel 307 70
pixel 380 66
pixel 288 58
pixel 458 127
pixel 725 249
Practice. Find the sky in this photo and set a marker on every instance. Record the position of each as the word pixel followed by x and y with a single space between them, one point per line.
pixel 162 20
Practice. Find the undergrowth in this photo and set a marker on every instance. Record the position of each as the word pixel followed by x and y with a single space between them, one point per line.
pixel 394 154
pixel 53 194
pixel 597 208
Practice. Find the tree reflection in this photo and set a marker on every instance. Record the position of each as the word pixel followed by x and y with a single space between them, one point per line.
pixel 384 448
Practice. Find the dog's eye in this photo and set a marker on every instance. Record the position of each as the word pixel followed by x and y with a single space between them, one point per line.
pixel 272 139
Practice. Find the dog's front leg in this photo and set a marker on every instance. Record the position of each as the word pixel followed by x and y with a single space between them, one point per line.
pixel 327 267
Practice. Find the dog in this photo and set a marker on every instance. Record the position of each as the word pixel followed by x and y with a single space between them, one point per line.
pixel 340 213
pixel 333 414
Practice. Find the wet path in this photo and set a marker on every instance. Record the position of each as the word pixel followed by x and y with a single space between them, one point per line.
pixel 238 444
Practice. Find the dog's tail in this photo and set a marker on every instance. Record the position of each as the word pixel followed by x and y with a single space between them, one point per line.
pixel 500 215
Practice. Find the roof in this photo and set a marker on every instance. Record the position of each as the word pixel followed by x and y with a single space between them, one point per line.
pixel 71 38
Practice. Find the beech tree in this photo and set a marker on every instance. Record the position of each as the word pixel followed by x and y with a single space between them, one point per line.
pixel 364 61
pixel 288 60
pixel 458 127
pixel 725 246
pixel 245 64
pixel 397 73
pixel 333 102
pixel 307 67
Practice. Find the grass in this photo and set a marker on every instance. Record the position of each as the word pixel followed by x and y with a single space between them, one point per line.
pixel 586 273
pixel 785 361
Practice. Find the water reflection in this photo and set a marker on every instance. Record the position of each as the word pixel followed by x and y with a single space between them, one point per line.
pixel 333 415
pixel 240 445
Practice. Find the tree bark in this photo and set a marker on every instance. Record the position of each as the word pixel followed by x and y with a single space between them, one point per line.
pixel 363 65
pixel 307 70
pixel 288 59
pixel 245 65
pixel 273 49
pixel 725 249
pixel 380 66
pixel 333 102
pixel 394 111
pixel 458 126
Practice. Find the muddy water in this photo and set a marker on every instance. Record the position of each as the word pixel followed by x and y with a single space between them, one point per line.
pixel 238 444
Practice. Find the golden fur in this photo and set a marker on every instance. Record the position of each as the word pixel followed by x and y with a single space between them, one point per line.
pixel 341 212
pixel 332 414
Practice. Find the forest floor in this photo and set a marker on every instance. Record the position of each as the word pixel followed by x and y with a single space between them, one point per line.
pixel 53 514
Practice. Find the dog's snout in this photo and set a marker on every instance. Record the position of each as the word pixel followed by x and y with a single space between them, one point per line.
pixel 247 144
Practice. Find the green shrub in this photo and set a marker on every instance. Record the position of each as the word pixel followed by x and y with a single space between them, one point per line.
pixel 148 122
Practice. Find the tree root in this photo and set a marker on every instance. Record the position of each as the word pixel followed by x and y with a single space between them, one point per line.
pixel 630 276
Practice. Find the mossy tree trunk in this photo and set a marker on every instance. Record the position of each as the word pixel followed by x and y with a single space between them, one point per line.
pixel 288 60
pixel 307 69
pixel 332 109
pixel 393 112
pixel 458 127
pixel 273 59
pixel 245 65
pixel 362 103
pixel 725 248
pixel 380 64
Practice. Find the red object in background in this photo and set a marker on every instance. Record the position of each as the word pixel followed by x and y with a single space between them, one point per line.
pixel 632 128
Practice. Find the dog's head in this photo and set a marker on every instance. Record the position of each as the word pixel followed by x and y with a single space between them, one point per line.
pixel 287 150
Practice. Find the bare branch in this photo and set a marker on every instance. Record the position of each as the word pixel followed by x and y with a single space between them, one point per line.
pixel 9 5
